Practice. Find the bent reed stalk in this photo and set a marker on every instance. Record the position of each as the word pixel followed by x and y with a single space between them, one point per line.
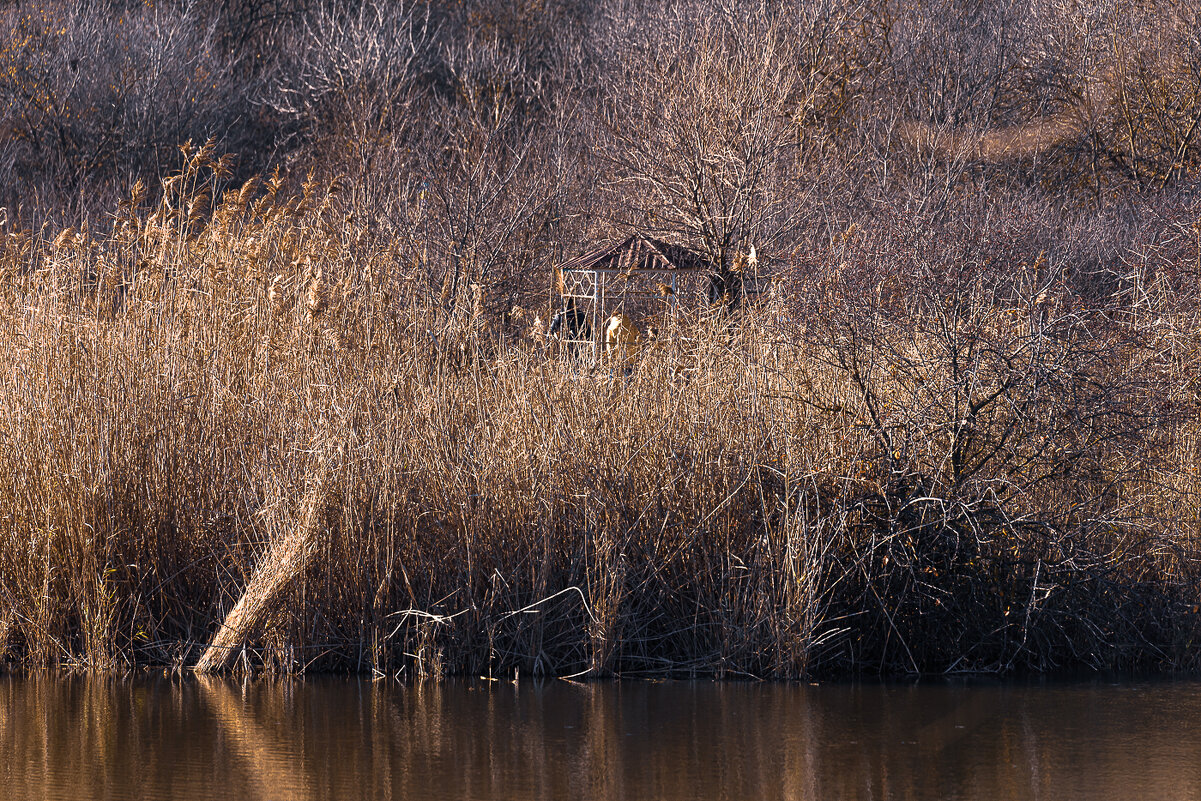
pixel 244 426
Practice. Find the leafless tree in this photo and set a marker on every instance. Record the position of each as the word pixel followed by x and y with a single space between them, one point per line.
pixel 701 130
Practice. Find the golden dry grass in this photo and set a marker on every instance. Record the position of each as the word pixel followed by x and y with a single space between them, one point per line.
pixel 239 414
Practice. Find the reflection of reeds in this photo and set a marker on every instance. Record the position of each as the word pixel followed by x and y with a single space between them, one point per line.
pixel 146 738
pixel 268 754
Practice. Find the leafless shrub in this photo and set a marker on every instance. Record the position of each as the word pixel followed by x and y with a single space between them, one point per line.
pixel 97 95
pixel 353 73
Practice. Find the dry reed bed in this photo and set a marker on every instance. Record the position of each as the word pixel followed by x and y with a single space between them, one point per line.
pixel 763 497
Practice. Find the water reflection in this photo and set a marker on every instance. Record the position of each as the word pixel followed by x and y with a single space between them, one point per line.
pixel 149 738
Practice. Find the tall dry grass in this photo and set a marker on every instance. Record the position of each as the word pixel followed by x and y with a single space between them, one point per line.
pixel 240 390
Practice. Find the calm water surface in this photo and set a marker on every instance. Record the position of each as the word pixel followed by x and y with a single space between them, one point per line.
pixel 157 738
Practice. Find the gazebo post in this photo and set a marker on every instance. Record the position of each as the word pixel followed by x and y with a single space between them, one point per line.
pixel 596 332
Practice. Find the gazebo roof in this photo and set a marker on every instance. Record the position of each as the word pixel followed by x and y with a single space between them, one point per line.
pixel 638 253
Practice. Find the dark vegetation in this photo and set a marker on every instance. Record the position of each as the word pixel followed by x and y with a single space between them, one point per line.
pixel 960 433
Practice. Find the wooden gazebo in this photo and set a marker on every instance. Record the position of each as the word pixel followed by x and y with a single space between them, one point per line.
pixel 639 276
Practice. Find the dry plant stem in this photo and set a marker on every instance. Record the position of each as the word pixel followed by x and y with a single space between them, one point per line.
pixel 6 625
pixel 281 567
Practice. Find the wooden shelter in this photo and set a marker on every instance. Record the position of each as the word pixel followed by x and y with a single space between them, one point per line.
pixel 640 276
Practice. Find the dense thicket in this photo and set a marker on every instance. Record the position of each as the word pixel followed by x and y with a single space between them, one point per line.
pixel 959 433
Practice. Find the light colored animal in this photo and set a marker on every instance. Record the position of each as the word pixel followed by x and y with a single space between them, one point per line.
pixel 621 337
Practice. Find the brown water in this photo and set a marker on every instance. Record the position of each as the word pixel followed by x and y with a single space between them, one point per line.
pixel 155 738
